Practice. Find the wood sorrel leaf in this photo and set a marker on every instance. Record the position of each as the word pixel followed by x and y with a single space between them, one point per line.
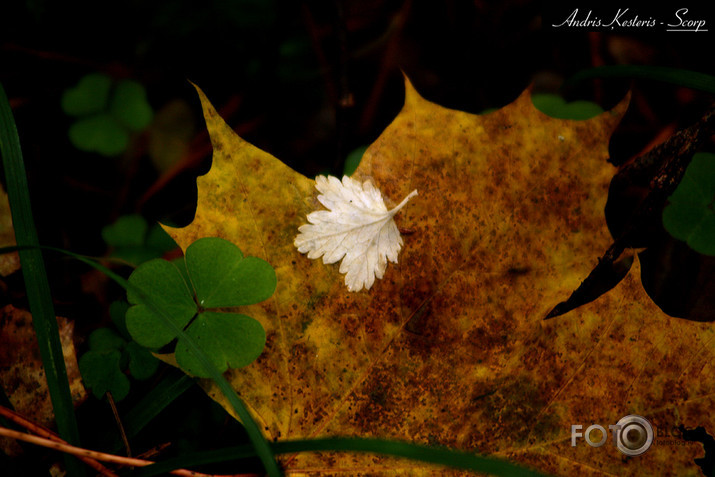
pixel 218 276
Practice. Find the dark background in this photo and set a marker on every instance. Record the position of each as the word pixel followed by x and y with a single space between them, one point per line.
pixel 309 81
pixel 279 72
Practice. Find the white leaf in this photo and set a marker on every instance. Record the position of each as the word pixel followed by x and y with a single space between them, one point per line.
pixel 357 227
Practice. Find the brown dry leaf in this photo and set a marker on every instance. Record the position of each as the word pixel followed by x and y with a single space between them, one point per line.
pixel 9 262
pixel 450 347
pixel 22 376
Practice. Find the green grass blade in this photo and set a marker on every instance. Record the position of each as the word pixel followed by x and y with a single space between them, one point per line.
pixel 38 291
pixel 687 78
pixel 260 444
pixel 13 248
pixel 155 401
pixel 416 452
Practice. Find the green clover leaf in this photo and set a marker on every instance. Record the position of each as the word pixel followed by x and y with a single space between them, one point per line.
pixel 109 355
pixel 102 373
pixel 219 276
pixel 101 366
pixel 107 113
pixel 88 97
pixel 690 213
pixel 117 312
pixel 99 133
pixel 162 281
pixel 229 339
pixel 142 364
pixel 129 105
pixel 555 106
pixel 134 241
pixel 222 277
pixel 127 231
pixel 104 339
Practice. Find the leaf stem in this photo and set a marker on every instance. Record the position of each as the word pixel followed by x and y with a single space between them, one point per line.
pixel 404 201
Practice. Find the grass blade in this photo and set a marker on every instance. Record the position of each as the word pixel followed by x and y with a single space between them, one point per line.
pixel 155 401
pixel 38 291
pixel 687 78
pixel 416 452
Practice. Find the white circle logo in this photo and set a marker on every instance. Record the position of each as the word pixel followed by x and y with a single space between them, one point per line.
pixel 634 435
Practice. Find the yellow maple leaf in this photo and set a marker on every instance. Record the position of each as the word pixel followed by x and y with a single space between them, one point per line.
pixel 451 348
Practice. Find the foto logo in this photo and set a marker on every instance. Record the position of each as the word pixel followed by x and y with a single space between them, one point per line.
pixel 632 434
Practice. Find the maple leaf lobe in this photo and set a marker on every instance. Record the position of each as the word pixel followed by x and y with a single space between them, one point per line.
pixel 455 352
pixel 357 228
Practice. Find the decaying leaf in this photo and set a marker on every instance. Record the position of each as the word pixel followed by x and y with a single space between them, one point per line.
pixel 451 348
pixel 21 373
pixel 9 262
pixel 357 228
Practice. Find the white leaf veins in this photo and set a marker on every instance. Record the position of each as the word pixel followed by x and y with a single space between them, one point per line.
pixel 357 227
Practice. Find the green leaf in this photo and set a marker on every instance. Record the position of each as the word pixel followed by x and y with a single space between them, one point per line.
pixel 128 230
pixel 106 121
pixel 548 103
pixel 687 78
pixel 690 213
pixel 701 179
pixel 228 339
pixel 101 373
pixel 703 239
pixel 88 97
pixel 117 312
pixel 134 241
pixel 158 240
pixel 104 339
pixel 100 133
pixel 353 160
pixel 695 226
pixel 582 110
pixel 689 192
pixel 135 255
pixel 555 106
pixel 129 105
pixel 222 277
pixel 682 220
pixel 180 264
pixel 142 364
pixel 163 282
